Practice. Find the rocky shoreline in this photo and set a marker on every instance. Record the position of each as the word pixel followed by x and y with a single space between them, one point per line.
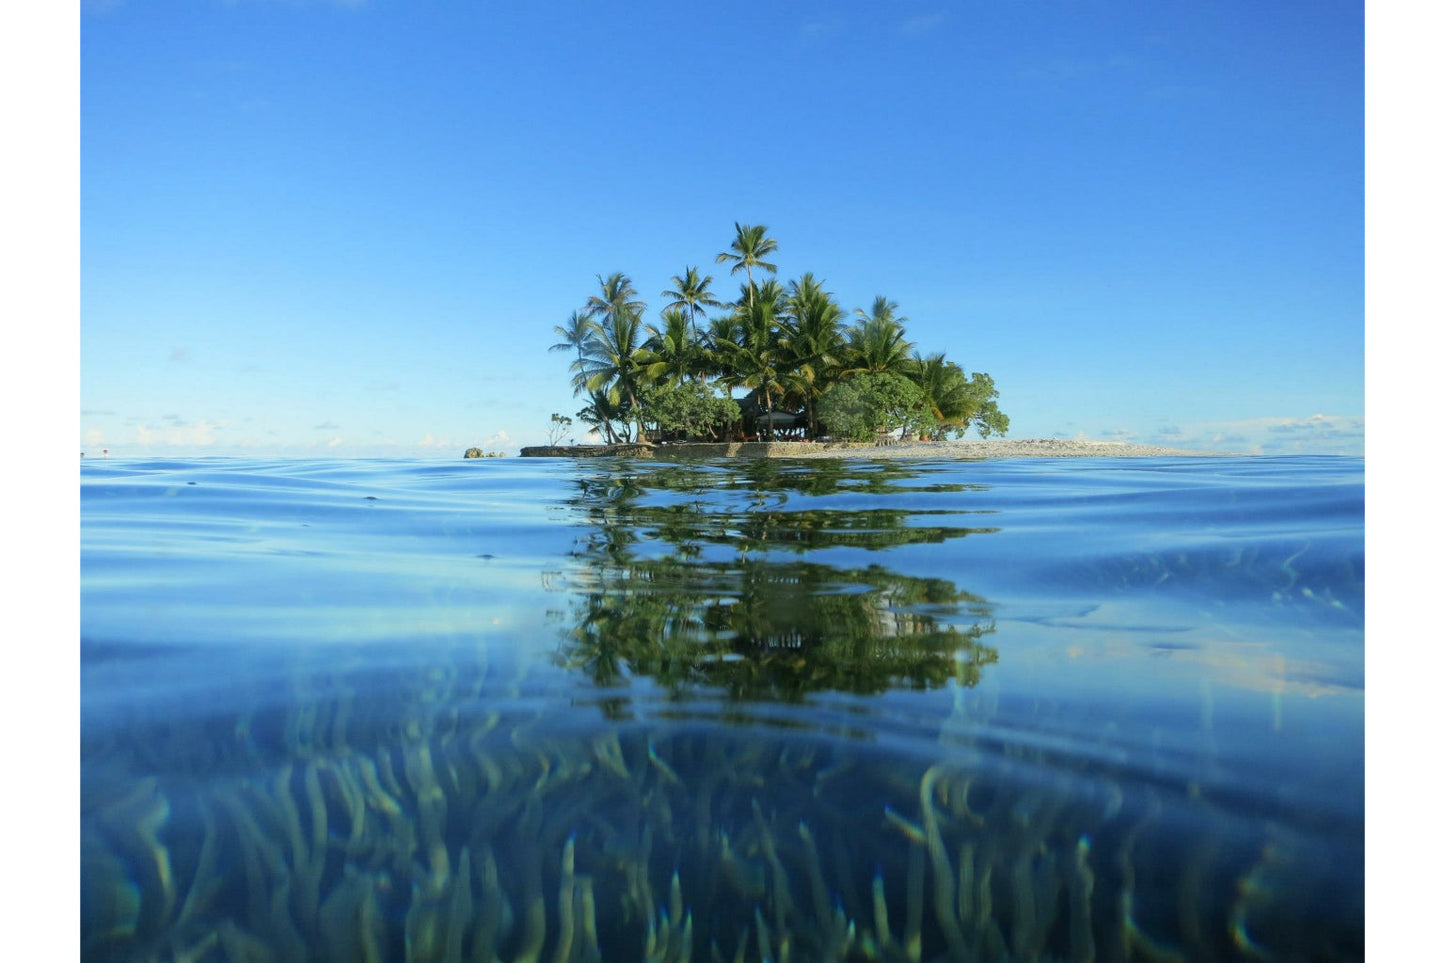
pixel 964 450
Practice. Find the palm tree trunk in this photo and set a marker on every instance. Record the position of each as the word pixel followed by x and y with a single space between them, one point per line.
pixel 697 346
pixel 637 410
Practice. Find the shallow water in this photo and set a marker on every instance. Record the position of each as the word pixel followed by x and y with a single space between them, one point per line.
pixel 525 709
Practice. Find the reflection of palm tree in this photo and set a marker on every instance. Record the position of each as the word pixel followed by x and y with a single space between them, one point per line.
pixel 763 629
pixel 749 248
pixel 654 598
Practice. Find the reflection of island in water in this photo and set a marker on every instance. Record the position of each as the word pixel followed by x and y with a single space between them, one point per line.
pixel 680 579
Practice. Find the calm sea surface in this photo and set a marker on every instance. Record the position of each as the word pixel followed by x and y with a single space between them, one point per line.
pixel 740 710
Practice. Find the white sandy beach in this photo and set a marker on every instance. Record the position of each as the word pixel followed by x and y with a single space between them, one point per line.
pixel 993 448
pixel 1002 448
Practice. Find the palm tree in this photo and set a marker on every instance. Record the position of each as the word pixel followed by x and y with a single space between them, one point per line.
pixel 749 248
pixel 883 310
pixel 814 341
pixel 711 351
pixel 600 412
pixel 617 296
pixel 770 291
pixel 671 351
pixel 876 343
pixel 945 390
pixel 616 361
pixel 756 360
pixel 575 334
pixel 690 293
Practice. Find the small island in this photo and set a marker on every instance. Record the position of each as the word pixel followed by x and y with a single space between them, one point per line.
pixel 961 449
pixel 817 384
pixel 808 374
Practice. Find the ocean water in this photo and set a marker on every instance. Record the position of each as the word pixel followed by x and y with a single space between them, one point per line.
pixel 526 709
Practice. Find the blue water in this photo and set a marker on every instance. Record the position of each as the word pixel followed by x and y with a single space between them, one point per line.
pixel 541 709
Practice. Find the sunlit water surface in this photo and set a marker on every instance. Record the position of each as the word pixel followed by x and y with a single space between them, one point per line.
pixel 534 709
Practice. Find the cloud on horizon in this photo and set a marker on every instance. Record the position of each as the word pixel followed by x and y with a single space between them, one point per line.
pixel 177 434
pixel 1314 434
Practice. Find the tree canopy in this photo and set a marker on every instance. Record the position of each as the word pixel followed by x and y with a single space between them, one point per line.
pixel 789 347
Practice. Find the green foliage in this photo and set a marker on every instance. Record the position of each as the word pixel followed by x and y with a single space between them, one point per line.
pixel 788 344
pixel 615 360
pixel 558 428
pixel 757 358
pixel 865 405
pixel 979 409
pixel 672 351
pixel 690 293
pixel 687 407
pixel 602 411
pixel 877 343
pixel 749 248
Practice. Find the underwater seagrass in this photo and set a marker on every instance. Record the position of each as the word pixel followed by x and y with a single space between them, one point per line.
pixel 448 833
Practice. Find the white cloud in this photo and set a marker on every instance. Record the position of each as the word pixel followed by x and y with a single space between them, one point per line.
pixel 500 438
pixel 1313 434
pixel 201 434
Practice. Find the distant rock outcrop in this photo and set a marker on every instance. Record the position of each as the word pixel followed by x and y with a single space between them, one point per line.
pixel 478 453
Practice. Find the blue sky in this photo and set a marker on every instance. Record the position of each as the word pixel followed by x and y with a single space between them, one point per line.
pixel 316 227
